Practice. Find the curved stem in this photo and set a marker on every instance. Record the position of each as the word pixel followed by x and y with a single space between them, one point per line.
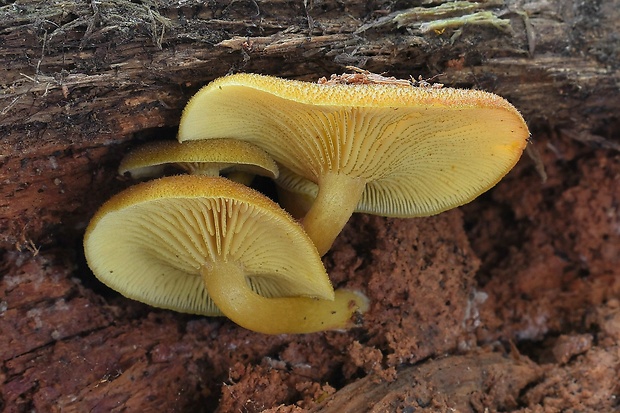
pixel 229 290
pixel 337 198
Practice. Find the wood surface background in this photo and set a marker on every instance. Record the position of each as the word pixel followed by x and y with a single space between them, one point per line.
pixel 82 79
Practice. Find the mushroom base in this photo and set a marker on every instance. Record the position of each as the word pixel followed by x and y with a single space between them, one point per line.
pixel 230 291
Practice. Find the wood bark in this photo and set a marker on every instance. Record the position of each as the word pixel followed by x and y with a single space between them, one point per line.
pixel 81 79
pixel 456 383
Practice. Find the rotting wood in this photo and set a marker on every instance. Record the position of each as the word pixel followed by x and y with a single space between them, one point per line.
pixel 454 383
pixel 80 76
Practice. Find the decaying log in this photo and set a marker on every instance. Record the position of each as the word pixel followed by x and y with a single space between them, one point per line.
pixel 81 79
pixel 457 383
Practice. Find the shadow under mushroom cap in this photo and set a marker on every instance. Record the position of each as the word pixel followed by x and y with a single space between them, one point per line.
pixel 210 158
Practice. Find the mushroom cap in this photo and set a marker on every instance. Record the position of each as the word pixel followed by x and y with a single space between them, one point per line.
pixel 220 154
pixel 421 151
pixel 150 242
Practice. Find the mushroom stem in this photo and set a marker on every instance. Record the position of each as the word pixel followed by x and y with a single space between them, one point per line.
pixel 337 198
pixel 241 177
pixel 227 286
pixel 197 168
pixel 214 169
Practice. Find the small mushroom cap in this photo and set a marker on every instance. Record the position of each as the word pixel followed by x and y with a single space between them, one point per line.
pixel 151 241
pixel 218 155
pixel 420 151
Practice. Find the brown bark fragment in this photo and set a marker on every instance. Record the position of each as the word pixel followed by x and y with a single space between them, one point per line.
pixel 570 346
pixel 470 383
pixel 87 75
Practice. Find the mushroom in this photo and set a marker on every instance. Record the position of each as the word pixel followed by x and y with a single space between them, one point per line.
pixel 295 193
pixel 241 159
pixel 405 151
pixel 207 245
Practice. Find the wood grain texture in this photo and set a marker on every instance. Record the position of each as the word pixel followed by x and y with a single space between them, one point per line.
pixel 82 79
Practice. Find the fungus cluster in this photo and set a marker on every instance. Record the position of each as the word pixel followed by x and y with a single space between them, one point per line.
pixel 207 244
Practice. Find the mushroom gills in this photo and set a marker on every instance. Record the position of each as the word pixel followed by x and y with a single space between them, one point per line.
pixel 403 151
pixel 238 159
pixel 201 245
pixel 295 193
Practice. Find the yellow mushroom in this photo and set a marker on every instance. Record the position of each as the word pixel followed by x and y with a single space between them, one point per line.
pixel 240 160
pixel 296 194
pixel 404 151
pixel 207 245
